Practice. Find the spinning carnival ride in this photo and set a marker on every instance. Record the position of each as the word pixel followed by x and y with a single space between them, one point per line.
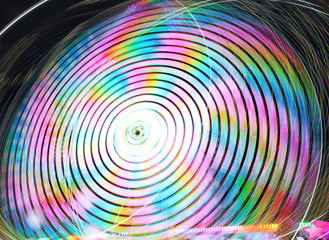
pixel 169 119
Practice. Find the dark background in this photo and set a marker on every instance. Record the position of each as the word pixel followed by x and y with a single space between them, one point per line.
pixel 53 16
pixel 10 9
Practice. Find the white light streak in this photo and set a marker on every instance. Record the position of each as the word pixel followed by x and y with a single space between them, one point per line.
pixel 21 16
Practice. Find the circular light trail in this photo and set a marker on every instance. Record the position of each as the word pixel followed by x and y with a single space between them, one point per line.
pixel 167 116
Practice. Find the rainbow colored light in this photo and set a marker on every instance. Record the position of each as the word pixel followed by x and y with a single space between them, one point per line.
pixel 167 116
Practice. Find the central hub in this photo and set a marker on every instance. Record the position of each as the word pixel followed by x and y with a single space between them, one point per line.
pixel 137 135
pixel 137 132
